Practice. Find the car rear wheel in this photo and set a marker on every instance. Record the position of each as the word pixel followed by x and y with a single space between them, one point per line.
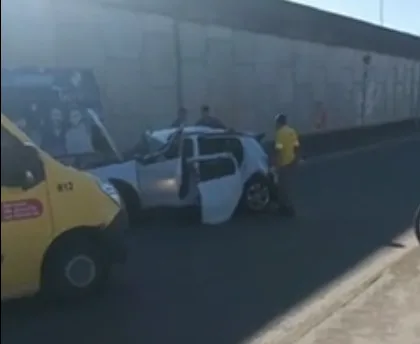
pixel 75 268
pixel 257 195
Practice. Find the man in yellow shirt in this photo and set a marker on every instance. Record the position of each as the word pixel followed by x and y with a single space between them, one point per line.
pixel 287 156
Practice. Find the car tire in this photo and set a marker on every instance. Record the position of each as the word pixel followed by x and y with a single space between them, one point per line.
pixel 256 197
pixel 76 267
pixel 417 224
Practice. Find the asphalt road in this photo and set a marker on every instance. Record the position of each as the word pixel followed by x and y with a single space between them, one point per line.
pixel 199 285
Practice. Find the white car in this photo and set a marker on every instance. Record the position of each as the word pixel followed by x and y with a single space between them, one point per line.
pixel 216 169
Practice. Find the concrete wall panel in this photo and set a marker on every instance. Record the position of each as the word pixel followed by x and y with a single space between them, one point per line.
pixel 245 77
pixel 27 33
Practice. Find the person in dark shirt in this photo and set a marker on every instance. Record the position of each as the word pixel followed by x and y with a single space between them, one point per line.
pixel 207 120
pixel 54 139
pixel 181 118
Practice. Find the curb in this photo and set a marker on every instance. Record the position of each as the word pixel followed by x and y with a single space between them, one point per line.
pixel 373 146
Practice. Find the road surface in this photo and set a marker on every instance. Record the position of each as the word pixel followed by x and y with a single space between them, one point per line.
pixel 199 285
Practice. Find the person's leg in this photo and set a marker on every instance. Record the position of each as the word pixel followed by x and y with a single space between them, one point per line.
pixel 284 188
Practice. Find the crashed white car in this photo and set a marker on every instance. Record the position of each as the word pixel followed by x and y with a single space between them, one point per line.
pixel 218 170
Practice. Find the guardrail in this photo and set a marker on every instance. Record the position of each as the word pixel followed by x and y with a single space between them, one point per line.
pixel 316 144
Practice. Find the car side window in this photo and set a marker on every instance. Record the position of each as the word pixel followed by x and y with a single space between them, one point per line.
pixel 216 168
pixel 188 148
pixel 213 145
pixel 235 147
pixel 173 151
pixel 209 146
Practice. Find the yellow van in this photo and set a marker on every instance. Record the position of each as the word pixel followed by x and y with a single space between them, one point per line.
pixel 61 229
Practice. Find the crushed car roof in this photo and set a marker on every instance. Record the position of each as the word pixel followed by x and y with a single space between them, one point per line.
pixel 164 134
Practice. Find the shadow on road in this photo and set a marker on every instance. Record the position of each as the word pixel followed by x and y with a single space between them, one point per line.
pixel 222 284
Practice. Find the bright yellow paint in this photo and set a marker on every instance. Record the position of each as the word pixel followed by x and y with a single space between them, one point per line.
pixel 25 242
pixel 287 140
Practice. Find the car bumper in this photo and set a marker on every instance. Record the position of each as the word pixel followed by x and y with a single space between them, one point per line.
pixel 114 236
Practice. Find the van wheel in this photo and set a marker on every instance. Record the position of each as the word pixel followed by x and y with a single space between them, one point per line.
pixel 256 197
pixel 75 268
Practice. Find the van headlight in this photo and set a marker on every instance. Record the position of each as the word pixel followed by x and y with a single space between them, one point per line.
pixel 110 190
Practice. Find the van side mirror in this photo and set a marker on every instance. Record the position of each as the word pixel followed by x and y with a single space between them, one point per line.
pixel 28 181
pixel 33 168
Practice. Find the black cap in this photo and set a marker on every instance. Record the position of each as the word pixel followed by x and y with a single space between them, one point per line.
pixel 280 118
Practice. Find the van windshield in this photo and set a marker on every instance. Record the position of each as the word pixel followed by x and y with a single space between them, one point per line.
pixel 60 111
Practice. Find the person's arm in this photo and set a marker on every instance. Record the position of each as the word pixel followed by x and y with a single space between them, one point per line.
pixel 213 122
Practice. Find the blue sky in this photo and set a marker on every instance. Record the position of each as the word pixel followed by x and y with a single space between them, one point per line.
pixel 402 15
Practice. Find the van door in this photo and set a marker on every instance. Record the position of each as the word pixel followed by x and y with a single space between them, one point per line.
pixel 25 218
pixel 220 186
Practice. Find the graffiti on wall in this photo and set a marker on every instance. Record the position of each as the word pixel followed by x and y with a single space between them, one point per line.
pixel 320 116
pixel 372 98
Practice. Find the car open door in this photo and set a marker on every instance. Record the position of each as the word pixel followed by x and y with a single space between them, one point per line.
pixel 220 187
pixel 159 174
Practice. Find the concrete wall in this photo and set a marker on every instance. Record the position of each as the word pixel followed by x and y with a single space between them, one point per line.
pixel 245 77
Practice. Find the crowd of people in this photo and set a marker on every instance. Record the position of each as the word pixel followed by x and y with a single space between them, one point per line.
pixel 206 119
pixel 60 133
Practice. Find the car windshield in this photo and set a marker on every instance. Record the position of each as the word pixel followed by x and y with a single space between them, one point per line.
pixel 156 141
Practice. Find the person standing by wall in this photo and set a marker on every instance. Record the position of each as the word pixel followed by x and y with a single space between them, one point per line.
pixel 181 119
pixel 207 120
pixel 287 157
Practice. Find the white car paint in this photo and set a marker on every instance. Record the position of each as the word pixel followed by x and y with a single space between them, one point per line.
pixel 158 183
pixel 220 197
pixel 255 158
pixel 124 171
